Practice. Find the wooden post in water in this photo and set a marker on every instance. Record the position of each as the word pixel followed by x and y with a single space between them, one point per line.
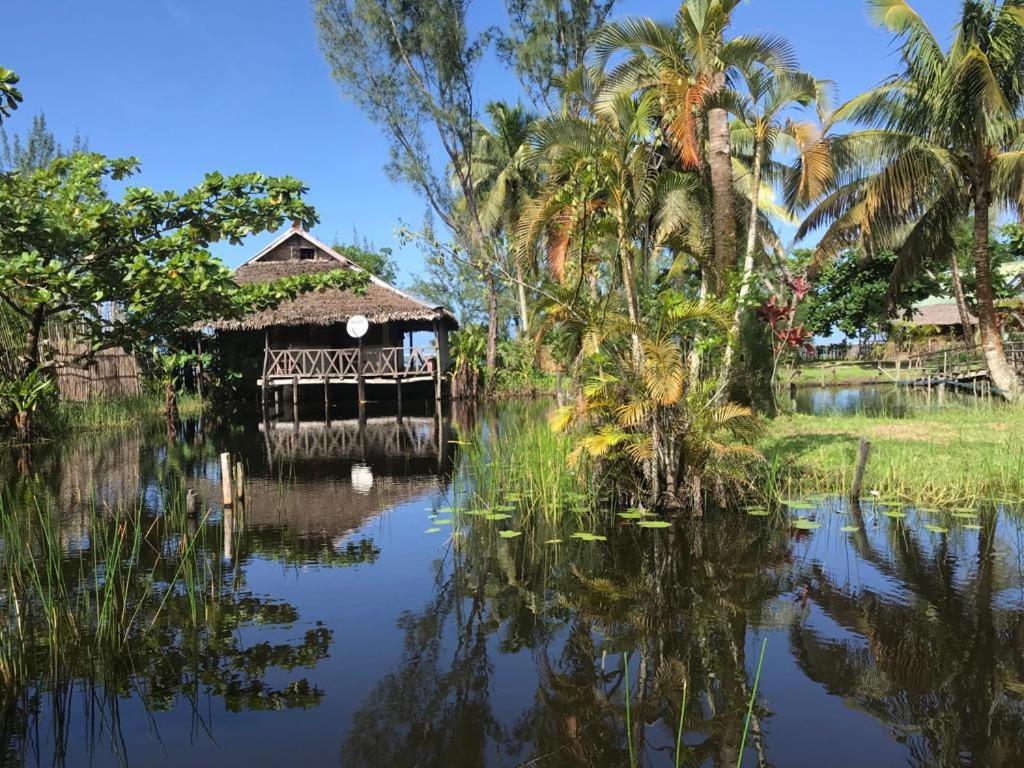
pixel 327 393
pixel 295 392
pixel 398 397
pixel 225 479
pixel 239 481
pixel 229 533
pixel 858 472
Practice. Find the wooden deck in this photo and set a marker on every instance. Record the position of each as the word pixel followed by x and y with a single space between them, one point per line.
pixel 958 366
pixel 355 365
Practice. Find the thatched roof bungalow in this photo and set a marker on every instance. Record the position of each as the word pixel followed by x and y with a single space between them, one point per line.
pixel 304 341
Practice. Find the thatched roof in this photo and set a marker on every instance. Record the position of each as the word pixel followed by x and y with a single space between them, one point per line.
pixel 380 303
pixel 945 314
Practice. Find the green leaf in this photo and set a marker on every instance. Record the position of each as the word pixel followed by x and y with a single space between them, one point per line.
pixel 584 536
pixel 509 534
pixel 654 524
pixel 803 524
pixel 850 528
pixel 433 530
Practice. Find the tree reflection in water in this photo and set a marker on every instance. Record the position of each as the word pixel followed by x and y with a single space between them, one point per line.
pixel 681 606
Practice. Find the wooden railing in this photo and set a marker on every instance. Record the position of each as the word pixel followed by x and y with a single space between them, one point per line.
pixel 390 362
pixel 961 360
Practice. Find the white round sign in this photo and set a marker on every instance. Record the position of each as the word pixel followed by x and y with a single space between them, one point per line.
pixel 357 326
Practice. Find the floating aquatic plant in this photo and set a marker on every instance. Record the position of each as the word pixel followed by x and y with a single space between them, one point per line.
pixel 803 524
pixel 509 534
pixel 654 524
pixel 585 536
pixel 850 528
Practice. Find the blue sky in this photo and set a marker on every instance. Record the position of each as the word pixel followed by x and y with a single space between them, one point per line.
pixel 190 86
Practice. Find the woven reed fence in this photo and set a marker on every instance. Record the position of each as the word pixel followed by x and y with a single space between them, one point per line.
pixel 111 372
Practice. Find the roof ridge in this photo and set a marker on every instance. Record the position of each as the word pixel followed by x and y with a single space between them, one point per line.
pixel 294 230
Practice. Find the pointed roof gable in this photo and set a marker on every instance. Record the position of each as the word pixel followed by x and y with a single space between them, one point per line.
pixel 380 303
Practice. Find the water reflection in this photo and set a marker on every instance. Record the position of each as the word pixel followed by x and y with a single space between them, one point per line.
pixel 880 400
pixel 339 632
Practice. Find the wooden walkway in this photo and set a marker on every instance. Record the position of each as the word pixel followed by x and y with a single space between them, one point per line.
pixel 962 367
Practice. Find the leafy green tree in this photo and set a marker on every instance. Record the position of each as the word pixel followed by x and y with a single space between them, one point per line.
pixel 850 294
pixel 10 97
pixel 377 261
pixel 547 40
pixel 939 142
pixel 133 272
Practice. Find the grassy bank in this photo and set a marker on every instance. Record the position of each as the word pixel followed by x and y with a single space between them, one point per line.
pixel 116 413
pixel 933 456
pixel 838 374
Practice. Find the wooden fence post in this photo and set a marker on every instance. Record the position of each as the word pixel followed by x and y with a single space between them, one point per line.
pixel 858 472
pixel 225 479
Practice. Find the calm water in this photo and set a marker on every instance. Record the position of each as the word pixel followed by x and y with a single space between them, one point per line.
pixel 881 400
pixel 340 633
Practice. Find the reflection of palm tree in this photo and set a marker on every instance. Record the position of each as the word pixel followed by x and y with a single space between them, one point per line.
pixel 938 667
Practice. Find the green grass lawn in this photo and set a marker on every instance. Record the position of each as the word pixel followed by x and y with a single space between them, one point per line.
pixel 827 374
pixel 934 456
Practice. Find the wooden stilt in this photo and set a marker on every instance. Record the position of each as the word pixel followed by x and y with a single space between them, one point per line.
pixel 225 479
pixel 239 481
pixel 229 533
pixel 295 392
pixel 398 397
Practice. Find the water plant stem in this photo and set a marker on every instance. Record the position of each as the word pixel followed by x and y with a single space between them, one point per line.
pixel 750 705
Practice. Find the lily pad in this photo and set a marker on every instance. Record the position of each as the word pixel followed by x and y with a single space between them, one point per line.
pixel 929 510
pixel 800 505
pixel 757 511
pixel 965 515
pixel 477 512
pixel 493 516
pixel 433 530
pixel 850 528
pixel 446 521
pixel 584 536
pixel 936 528
pixel 509 534
pixel 504 507
pixel 654 524
pixel 553 541
pixel 803 524
pixel 631 515
pixel 445 509
pixel 972 526
pixel 895 514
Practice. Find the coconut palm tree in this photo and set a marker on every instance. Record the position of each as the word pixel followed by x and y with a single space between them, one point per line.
pixel 941 140
pixel 506 180
pixel 764 124
pixel 688 64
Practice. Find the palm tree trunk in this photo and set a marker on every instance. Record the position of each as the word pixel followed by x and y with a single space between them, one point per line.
pixel 720 162
pixel 999 369
pixel 961 300
pixel 492 328
pixel 524 316
pixel 632 302
pixel 748 273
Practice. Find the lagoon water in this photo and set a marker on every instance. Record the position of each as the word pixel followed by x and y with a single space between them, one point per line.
pixel 341 633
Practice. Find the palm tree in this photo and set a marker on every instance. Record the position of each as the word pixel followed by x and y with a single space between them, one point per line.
pixel 762 127
pixel 688 65
pixel 939 141
pixel 506 180
pixel 602 175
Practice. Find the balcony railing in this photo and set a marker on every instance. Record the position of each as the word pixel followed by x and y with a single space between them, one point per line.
pixel 369 362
